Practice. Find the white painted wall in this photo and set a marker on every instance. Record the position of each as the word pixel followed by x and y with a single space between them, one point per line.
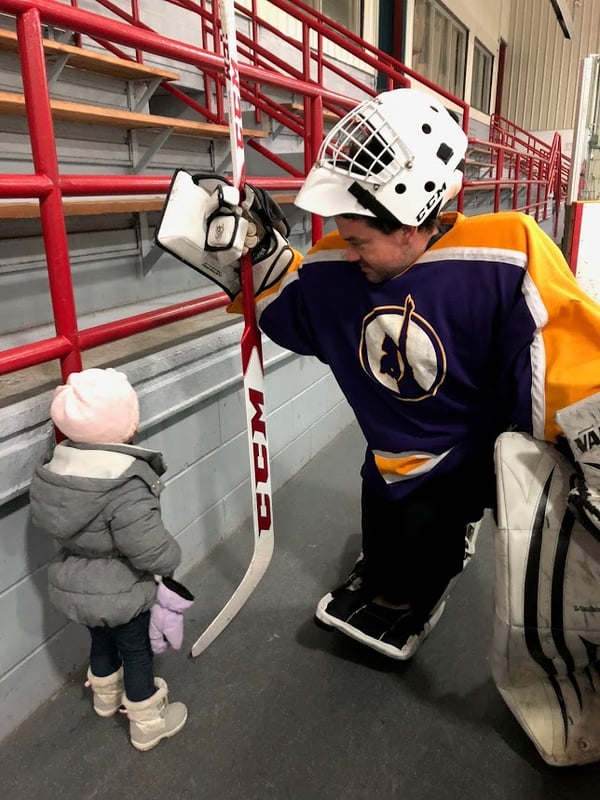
pixel 584 257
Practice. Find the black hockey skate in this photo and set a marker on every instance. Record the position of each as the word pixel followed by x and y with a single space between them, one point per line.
pixel 355 610
pixel 346 599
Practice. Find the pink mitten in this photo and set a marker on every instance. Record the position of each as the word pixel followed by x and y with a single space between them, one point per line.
pixel 166 615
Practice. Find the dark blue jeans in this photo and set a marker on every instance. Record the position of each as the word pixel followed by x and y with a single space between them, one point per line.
pixel 127 645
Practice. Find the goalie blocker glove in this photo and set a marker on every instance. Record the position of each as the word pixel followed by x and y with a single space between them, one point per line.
pixel 580 423
pixel 204 225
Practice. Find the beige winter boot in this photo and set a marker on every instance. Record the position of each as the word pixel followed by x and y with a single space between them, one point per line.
pixel 155 718
pixel 108 692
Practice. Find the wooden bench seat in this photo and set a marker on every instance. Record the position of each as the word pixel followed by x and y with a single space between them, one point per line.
pixel 13 103
pixel 87 206
pixel 298 109
pixel 93 61
pixel 90 206
pixel 283 198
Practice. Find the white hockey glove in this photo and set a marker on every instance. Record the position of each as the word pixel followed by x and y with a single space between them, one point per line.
pixel 205 226
pixel 202 225
pixel 581 425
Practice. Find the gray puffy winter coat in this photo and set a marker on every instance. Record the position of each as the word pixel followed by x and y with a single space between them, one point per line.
pixel 101 503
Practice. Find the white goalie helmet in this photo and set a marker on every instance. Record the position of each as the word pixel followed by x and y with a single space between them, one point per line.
pixel 394 156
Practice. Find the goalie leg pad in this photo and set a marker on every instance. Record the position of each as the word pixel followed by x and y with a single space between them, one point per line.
pixel 581 425
pixel 546 634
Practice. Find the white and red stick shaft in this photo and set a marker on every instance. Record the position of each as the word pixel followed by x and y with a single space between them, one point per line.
pixel 252 366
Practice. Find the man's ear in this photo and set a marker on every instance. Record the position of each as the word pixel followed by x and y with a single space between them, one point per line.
pixel 409 231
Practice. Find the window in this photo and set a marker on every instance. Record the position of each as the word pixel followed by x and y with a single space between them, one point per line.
pixel 346 12
pixel 439 46
pixel 482 78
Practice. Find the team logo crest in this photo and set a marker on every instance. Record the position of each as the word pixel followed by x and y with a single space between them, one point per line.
pixel 401 350
pixel 219 231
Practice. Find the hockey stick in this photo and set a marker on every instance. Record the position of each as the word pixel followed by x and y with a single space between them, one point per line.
pixel 252 367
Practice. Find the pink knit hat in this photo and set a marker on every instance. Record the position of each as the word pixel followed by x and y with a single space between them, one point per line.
pixel 98 406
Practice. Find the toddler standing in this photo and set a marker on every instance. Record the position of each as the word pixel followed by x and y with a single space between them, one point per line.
pixel 98 497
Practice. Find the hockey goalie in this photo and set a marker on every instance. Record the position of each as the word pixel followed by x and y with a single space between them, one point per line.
pixel 443 332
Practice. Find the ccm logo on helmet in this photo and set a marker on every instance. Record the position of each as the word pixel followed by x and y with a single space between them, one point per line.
pixel 431 203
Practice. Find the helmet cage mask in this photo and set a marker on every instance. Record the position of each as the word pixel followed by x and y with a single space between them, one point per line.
pixel 393 157
pixel 364 147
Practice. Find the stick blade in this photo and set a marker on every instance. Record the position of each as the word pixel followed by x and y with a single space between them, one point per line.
pixel 254 573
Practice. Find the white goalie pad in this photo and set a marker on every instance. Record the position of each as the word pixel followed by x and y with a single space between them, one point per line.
pixel 546 635
pixel 581 425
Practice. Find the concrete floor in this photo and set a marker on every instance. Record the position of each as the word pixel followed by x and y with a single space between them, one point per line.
pixel 282 710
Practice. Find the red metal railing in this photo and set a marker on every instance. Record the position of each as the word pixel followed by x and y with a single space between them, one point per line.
pixel 525 172
pixel 505 132
pixel 532 181
pixel 317 31
pixel 518 180
pixel 50 186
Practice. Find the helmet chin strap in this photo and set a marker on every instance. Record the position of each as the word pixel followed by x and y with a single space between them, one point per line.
pixel 367 201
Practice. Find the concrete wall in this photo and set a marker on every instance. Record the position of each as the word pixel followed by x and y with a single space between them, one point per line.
pixel 192 410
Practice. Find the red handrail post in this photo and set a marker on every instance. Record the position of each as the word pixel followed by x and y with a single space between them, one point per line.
pixel 45 162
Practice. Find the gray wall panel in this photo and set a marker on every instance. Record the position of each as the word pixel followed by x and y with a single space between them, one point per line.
pixel 40 675
pixel 22 551
pixel 28 619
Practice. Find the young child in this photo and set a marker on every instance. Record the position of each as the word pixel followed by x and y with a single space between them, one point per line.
pixel 98 497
